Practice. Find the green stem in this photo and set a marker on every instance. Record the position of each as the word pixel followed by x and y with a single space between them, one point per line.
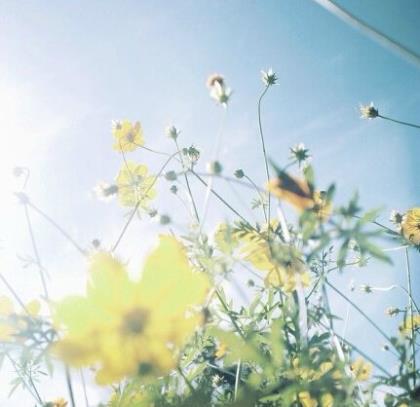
pixel 188 183
pixel 58 227
pixel 399 121
pixel 36 253
pixel 69 386
pixel 237 379
pixel 360 311
pixel 190 386
pixel 264 153
pixel 228 312
pixel 410 305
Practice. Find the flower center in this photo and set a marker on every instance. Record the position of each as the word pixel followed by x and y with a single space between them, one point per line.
pixel 135 321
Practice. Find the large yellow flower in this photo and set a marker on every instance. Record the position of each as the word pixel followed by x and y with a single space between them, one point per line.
pixel 126 327
pixel 127 135
pixel 410 225
pixel 135 185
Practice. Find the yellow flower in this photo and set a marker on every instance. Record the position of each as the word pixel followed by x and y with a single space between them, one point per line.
pixel 221 350
pixel 410 322
pixel 127 327
pixel 33 307
pixel 361 369
pixel 127 135
pixel 135 185
pixel 6 306
pixel 293 190
pixel 306 400
pixel 322 207
pixel 410 225
pixel 327 400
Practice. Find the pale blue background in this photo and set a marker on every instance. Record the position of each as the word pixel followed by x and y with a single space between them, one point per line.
pixel 68 68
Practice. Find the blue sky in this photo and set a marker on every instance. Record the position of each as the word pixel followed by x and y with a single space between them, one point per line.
pixel 69 68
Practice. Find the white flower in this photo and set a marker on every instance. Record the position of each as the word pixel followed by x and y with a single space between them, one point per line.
pixel 368 111
pixel 218 89
pixel 396 218
pixel 269 78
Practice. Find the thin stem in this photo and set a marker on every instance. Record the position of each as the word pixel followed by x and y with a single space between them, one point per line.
pixel 237 378
pixel 36 253
pixel 369 31
pixel 82 379
pixel 220 198
pixel 14 293
pixel 416 126
pixel 58 227
pixel 190 386
pixel 69 386
pixel 187 182
pixel 360 311
pixel 410 305
pixel 264 152
pixel 228 312
pixel 136 207
pixel 260 195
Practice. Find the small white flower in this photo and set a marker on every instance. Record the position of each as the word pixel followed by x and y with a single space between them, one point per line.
pixel 269 78
pixel 220 93
pixel 368 111
pixel 396 218
pixel 301 154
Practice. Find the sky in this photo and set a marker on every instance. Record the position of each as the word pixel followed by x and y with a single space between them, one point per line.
pixel 67 69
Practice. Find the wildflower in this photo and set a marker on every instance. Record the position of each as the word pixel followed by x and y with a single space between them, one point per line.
pixel 391 311
pixel 128 327
pixel 300 154
pixel 216 380
pixel 293 190
pixel 57 403
pixel 396 218
pixel 172 132
pixel 214 79
pixel 214 167
pixel 218 90
pixel 135 185
pixel 410 225
pixel 322 206
pixel 368 111
pixel 221 351
pixel 192 154
pixel 361 369
pixel 128 136
pixel 366 288
pixel 239 174
pixel 306 400
pixel 269 78
pixel 105 191
pixel 173 189
pixel 327 400
pixel 411 322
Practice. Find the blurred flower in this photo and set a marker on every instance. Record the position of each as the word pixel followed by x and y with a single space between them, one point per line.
pixel 410 225
pixel 269 78
pixel 57 403
pixel 214 79
pixel 361 369
pixel 366 288
pixel 300 154
pixel 322 207
pixel 239 174
pixel 368 111
pixel 171 176
pixel 164 220
pixel 327 400
pixel 293 190
pixel 396 218
pixel 221 350
pixel 306 400
pixel 128 136
pixel 135 185
pixel 218 90
pixel 192 154
pixel 411 322
pixel 172 132
pixel 105 192
pixel 214 167
pixel 173 189
pixel 128 327
pixel 392 311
